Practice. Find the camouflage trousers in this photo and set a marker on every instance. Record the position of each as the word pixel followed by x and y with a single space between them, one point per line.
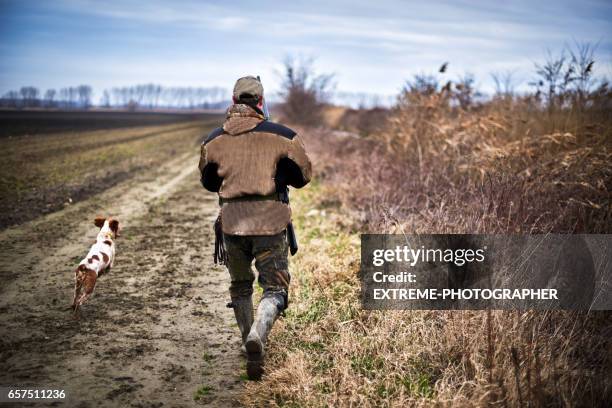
pixel 270 254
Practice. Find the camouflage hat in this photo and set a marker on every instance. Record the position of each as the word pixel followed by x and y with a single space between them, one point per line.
pixel 248 85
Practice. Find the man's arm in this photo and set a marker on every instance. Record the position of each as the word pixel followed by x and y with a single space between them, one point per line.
pixel 209 176
pixel 296 169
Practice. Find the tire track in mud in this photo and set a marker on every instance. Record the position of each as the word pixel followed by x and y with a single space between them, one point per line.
pixel 156 329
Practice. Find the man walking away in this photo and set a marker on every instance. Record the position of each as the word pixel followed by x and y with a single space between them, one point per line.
pixel 249 162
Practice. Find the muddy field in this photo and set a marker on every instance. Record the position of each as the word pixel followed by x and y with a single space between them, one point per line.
pixel 156 332
pixel 43 172
pixel 35 122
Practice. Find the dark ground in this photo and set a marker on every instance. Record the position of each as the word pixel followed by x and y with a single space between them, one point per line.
pixel 22 122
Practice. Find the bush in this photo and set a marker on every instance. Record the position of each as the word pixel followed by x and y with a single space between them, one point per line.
pixel 305 93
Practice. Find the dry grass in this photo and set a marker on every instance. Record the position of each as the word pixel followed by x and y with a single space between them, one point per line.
pixel 499 169
pixel 503 168
pixel 329 352
pixel 333 116
pixel 361 121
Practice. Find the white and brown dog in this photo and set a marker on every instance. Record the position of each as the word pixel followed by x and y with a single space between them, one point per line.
pixel 98 261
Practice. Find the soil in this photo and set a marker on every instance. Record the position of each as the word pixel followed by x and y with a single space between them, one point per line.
pixel 35 122
pixel 156 332
pixel 42 173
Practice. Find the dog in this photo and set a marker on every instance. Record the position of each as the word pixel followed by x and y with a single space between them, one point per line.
pixel 99 260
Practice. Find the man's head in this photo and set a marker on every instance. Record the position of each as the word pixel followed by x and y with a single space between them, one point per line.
pixel 248 90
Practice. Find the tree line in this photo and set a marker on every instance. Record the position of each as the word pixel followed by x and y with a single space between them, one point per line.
pixel 142 96
pixel 75 97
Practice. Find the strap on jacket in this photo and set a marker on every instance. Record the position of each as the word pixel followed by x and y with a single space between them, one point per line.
pixel 269 197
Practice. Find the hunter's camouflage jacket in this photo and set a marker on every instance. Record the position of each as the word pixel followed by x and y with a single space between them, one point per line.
pixel 250 157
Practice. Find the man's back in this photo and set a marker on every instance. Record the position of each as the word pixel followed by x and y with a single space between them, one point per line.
pixel 248 160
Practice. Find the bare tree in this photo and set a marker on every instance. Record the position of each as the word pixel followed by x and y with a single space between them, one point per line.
pixel 582 60
pixel 11 99
pixel 465 91
pixel 504 83
pixel 68 97
pixel 29 96
pixel 554 77
pixel 304 92
pixel 423 84
pixel 49 99
pixel 105 101
pixel 84 94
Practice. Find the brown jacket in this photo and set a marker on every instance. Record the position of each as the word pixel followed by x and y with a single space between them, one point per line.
pixel 250 156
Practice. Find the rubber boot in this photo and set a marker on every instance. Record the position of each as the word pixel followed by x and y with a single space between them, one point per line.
pixel 243 310
pixel 267 312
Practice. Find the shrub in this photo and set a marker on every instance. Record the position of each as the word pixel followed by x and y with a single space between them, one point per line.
pixel 305 93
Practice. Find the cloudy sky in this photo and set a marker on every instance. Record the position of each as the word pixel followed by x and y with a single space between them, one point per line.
pixel 371 46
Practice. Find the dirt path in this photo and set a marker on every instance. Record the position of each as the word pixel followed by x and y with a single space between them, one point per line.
pixel 156 330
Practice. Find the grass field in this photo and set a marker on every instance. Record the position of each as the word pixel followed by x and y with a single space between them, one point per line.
pixel 43 170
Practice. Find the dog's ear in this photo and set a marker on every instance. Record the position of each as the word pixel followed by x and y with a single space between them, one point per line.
pixel 99 221
pixel 114 226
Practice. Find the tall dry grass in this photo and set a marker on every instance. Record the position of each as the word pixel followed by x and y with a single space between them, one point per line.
pixel 508 166
pixel 505 167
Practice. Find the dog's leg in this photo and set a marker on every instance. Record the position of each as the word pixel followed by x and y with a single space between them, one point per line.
pixel 87 286
pixel 78 283
pixel 82 299
pixel 76 302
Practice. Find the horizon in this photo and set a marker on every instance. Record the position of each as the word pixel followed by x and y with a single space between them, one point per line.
pixel 113 44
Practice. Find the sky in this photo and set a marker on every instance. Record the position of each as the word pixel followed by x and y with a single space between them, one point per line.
pixel 370 46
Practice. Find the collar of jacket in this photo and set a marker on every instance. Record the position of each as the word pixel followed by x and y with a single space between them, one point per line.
pixel 241 118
